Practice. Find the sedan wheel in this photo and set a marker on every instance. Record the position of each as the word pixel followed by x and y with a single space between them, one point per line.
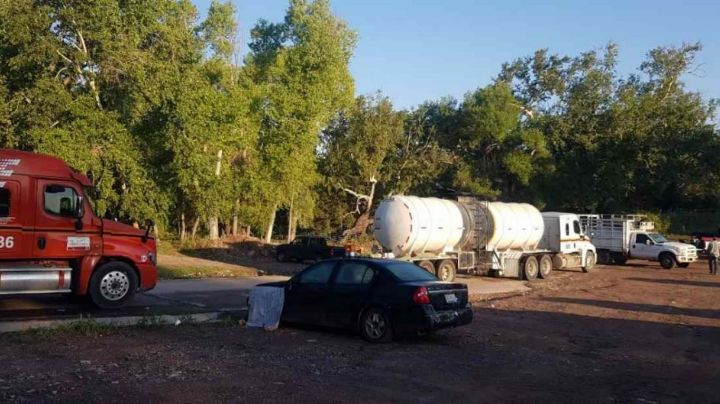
pixel 375 326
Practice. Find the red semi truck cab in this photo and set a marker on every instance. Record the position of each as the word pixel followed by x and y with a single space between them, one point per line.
pixel 52 242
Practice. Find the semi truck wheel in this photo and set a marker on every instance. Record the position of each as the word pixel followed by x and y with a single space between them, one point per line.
pixel 428 266
pixel 546 266
pixel 446 271
pixel 112 284
pixel 590 261
pixel 667 260
pixel 530 268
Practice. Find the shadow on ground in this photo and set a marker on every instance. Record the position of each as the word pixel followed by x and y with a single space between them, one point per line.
pixel 677 282
pixel 559 358
pixel 247 253
pixel 639 307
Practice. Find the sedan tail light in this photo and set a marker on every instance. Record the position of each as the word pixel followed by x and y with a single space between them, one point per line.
pixel 421 296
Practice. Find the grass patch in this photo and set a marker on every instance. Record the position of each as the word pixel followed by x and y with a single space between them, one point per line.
pixel 193 272
pixel 85 326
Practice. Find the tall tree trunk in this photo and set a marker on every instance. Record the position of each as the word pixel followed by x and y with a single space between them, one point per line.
pixel 196 224
pixel 213 228
pixel 294 227
pixel 235 218
pixel 248 232
pixel 271 224
pixel 291 220
pixel 182 230
pixel 213 222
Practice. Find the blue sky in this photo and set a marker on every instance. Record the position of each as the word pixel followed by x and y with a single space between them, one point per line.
pixel 417 50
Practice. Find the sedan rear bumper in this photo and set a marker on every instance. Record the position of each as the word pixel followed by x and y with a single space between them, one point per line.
pixel 426 319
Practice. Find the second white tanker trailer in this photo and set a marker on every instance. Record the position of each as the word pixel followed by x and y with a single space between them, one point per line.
pixel 482 238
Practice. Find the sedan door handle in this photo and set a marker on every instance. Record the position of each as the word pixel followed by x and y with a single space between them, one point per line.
pixel 41 243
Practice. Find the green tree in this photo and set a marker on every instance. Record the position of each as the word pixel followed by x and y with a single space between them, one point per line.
pixel 301 68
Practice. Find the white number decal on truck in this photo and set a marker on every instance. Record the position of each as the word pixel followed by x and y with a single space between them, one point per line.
pixel 7 242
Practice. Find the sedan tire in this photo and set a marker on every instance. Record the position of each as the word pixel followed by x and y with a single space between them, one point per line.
pixel 375 325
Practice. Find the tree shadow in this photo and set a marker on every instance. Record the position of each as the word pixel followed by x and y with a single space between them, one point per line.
pixel 247 253
pixel 677 282
pixel 641 307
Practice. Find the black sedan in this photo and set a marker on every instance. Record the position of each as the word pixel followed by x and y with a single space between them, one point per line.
pixel 379 298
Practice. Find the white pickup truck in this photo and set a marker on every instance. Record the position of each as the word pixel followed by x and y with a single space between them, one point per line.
pixel 618 238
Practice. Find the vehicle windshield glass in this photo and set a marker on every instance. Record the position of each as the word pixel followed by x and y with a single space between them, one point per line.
pixel 657 237
pixel 406 272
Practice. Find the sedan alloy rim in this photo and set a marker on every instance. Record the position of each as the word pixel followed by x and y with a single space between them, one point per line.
pixel 375 325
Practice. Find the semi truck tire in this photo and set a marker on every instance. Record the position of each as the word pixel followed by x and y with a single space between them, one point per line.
pixel 530 268
pixel 112 285
pixel 427 265
pixel 667 260
pixel 546 266
pixel 590 261
pixel 446 271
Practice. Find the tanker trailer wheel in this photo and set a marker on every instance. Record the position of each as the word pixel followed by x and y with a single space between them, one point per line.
pixel 446 271
pixel 112 285
pixel 590 262
pixel 530 268
pixel 546 266
pixel 427 265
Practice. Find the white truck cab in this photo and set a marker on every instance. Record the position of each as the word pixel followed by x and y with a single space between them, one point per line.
pixel 622 237
pixel 564 234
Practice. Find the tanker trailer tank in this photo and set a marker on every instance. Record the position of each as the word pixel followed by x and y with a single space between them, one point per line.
pixel 479 237
pixel 413 226
pixel 509 226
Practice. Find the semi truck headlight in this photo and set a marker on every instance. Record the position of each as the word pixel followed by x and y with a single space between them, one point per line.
pixel 149 257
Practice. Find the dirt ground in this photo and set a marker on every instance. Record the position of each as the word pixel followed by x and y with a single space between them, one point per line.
pixel 635 333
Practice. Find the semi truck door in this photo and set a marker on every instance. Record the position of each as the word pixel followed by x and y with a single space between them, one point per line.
pixel 59 233
pixel 16 234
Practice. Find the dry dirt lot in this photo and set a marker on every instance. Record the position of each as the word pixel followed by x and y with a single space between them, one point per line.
pixel 623 334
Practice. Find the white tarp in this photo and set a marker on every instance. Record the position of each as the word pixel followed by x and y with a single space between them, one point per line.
pixel 265 306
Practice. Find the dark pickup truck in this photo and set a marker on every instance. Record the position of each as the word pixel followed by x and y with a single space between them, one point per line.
pixel 307 248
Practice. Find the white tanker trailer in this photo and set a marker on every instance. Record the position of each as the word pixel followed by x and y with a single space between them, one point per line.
pixel 481 238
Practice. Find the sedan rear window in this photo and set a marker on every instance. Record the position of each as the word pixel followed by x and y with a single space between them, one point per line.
pixel 318 273
pixel 406 272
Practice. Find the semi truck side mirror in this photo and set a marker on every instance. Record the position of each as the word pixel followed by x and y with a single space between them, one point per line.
pixel 149 224
pixel 79 210
pixel 79 213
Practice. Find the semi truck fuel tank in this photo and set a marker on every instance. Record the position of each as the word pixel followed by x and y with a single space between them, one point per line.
pixel 28 278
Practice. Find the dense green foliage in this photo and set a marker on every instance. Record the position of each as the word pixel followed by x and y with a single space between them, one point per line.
pixel 156 107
